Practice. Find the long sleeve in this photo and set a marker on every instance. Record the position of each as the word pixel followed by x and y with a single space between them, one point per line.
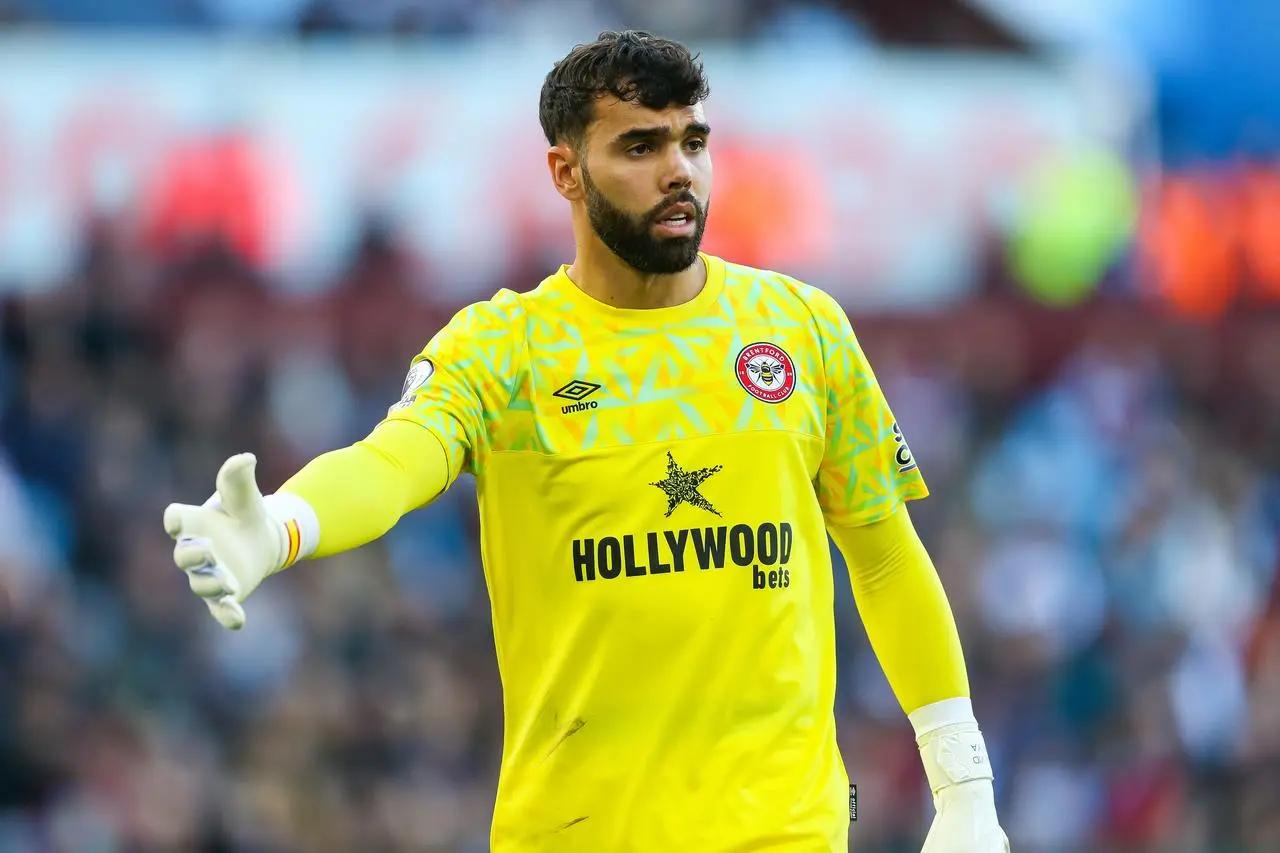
pixel 905 610
pixel 456 389
pixel 359 492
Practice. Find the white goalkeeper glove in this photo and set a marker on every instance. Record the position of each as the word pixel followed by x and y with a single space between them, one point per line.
pixel 238 538
pixel 959 773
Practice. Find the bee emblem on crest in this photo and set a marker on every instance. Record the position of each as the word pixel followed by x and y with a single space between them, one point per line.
pixel 766 372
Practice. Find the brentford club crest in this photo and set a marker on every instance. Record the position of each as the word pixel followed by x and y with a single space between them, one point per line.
pixel 766 372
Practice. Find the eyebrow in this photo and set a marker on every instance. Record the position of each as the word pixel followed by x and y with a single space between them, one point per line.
pixel 647 134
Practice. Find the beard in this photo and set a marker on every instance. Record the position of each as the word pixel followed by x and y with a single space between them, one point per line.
pixel 631 237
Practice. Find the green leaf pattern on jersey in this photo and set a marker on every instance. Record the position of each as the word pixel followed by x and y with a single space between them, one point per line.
pixel 498 362
pixel 859 480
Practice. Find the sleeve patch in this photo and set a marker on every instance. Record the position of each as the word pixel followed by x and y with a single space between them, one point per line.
pixel 413 382
pixel 906 462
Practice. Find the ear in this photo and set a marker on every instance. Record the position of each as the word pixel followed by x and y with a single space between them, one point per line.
pixel 565 175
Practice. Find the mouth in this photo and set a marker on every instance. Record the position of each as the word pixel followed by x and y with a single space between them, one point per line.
pixel 678 220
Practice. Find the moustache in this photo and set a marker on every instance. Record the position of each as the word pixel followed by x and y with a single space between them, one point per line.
pixel 681 197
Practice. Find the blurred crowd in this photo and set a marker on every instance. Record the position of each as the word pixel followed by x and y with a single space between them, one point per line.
pixel 1105 508
pixel 1104 515
pixel 852 22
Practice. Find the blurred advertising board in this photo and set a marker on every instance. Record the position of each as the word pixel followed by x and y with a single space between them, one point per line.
pixel 878 175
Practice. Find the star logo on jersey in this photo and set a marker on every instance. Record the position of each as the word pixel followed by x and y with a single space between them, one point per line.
pixel 681 486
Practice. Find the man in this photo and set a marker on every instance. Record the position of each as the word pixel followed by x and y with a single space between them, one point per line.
pixel 661 442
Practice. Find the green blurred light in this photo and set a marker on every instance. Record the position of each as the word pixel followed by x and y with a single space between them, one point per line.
pixel 1077 217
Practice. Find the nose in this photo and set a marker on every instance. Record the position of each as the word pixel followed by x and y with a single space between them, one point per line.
pixel 679 174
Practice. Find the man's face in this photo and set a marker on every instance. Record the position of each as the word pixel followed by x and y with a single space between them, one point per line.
pixel 647 178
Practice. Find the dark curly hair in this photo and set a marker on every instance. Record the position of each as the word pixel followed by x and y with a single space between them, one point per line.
pixel 630 65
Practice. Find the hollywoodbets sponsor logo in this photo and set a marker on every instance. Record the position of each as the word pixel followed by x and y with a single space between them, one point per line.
pixel 764 549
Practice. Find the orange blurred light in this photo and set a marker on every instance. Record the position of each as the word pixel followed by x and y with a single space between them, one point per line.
pixel 1260 230
pixel 769 207
pixel 1188 242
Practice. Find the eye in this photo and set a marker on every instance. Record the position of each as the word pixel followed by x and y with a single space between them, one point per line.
pixel 696 144
pixel 639 150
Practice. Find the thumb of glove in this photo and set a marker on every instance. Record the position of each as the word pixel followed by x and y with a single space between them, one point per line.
pixel 238 487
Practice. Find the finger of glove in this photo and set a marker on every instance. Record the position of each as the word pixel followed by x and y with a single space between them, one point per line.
pixel 184 520
pixel 933 839
pixel 213 582
pixel 237 486
pixel 192 552
pixel 227 611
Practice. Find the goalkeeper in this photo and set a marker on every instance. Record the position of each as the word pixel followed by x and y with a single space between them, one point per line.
pixel 662 443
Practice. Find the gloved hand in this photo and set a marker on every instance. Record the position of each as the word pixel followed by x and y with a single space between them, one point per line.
pixel 959 773
pixel 235 540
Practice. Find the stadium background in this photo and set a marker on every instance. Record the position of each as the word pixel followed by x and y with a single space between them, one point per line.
pixel 228 224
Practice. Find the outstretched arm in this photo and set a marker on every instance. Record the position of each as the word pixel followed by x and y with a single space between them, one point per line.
pixel 356 494
pixel 456 387
pixel 339 501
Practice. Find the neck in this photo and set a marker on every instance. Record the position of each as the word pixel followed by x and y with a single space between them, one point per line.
pixel 603 276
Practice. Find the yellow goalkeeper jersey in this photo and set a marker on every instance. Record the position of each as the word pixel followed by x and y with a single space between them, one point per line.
pixel 654 491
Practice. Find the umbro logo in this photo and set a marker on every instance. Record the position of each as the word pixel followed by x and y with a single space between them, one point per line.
pixel 578 391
